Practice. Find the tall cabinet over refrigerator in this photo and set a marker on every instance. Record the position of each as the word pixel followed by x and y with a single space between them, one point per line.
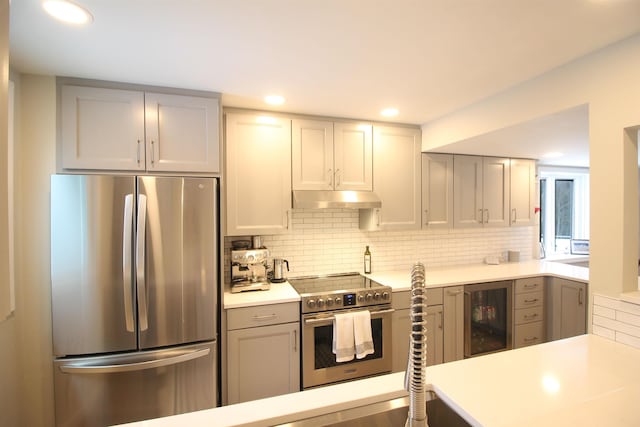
pixel 134 297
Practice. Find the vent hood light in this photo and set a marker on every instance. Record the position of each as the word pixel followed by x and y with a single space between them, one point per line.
pixel 312 199
pixel 67 12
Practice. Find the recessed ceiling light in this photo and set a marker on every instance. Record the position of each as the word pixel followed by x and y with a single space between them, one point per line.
pixel 67 12
pixel 389 112
pixel 274 99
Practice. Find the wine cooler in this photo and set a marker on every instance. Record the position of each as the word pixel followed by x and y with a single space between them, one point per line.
pixel 487 318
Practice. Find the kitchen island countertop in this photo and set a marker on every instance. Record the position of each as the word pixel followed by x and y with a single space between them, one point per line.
pixel 585 380
pixel 479 273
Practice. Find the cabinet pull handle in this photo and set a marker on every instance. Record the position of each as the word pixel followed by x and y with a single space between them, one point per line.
pixel 530 316
pixel 481 216
pixel 138 152
pixel 426 217
pixel 153 157
pixel 580 297
pixel 531 286
pixel 530 339
pixel 330 179
pixel 286 220
pixel 487 220
pixel 378 216
pixel 338 178
pixel 514 215
pixel 295 341
pixel 264 317
pixel 441 319
pixel 530 301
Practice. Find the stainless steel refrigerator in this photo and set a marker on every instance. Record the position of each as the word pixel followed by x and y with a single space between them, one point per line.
pixel 134 287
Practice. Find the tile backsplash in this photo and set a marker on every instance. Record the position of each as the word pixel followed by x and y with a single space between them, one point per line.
pixel 325 241
pixel 617 320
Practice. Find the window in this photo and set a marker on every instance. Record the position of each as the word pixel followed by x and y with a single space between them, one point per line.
pixel 564 207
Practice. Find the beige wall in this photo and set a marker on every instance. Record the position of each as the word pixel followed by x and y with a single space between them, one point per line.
pixel 35 162
pixel 9 366
pixel 609 82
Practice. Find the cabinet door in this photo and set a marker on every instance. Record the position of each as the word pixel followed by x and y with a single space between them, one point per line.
pixel 258 170
pixel 495 191
pixel 182 133
pixel 568 308
pixel 437 190
pixel 263 362
pixel 467 191
pixel 102 129
pixel 353 156
pixel 453 323
pixel 523 192
pixel 312 155
pixel 396 157
pixel 401 337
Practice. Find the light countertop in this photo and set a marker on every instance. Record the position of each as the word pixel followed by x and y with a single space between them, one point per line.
pixel 585 380
pixel 479 273
pixel 279 293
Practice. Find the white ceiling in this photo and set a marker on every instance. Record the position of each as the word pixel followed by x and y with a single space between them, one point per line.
pixel 341 58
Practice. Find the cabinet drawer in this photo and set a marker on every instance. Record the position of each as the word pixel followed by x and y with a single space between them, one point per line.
pixel 529 334
pixel 529 299
pixel 528 315
pixel 262 315
pixel 401 300
pixel 531 284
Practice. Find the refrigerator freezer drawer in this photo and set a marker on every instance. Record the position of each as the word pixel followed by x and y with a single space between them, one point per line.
pixel 115 389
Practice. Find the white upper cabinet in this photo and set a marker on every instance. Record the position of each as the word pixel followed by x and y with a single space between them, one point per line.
pixel 102 129
pixel 397 175
pixel 182 133
pixel 523 192
pixel 112 129
pixel 312 155
pixel 353 156
pixel 258 172
pixel 481 191
pixel 331 156
pixel 437 190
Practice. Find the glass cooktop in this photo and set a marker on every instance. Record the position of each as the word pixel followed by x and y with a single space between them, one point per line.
pixel 335 283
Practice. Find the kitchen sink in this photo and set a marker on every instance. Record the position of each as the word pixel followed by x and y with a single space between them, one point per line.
pixel 391 413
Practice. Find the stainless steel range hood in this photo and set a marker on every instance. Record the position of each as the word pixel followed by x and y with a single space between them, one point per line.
pixel 312 199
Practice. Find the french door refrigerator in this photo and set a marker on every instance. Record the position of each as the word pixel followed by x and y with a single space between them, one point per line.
pixel 134 284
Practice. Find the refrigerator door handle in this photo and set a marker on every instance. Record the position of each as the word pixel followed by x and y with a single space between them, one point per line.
pixel 173 359
pixel 140 262
pixel 126 262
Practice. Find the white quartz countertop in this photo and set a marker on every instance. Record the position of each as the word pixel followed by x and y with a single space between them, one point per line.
pixel 479 273
pixel 581 381
pixel 277 294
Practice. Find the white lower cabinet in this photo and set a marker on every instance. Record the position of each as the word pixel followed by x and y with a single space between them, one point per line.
pixel 402 328
pixel 567 307
pixel 529 312
pixel 263 351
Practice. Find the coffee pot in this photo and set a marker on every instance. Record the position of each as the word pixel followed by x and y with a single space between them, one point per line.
pixel 278 270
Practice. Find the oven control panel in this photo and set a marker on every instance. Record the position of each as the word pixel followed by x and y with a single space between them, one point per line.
pixel 337 301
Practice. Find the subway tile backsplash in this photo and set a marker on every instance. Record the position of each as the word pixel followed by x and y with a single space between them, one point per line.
pixel 326 241
pixel 617 320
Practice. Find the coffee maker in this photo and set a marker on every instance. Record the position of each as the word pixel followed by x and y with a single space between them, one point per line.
pixel 249 270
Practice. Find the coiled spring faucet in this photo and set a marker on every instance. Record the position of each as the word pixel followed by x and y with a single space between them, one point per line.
pixel 415 377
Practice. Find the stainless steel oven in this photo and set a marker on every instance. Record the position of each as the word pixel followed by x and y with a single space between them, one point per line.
pixel 321 299
pixel 487 318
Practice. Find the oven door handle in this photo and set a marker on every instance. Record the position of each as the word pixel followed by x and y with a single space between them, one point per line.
pixel 330 318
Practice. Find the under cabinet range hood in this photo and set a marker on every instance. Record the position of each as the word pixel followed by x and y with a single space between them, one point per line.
pixel 319 199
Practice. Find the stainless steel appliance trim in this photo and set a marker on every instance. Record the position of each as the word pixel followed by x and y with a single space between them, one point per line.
pixel 183 356
pixel 322 199
pixel 126 262
pixel 140 262
pixel 331 317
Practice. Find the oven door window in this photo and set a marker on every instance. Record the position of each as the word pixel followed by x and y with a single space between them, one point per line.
pixel 323 343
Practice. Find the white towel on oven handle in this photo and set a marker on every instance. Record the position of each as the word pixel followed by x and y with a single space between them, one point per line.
pixel 362 333
pixel 343 340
